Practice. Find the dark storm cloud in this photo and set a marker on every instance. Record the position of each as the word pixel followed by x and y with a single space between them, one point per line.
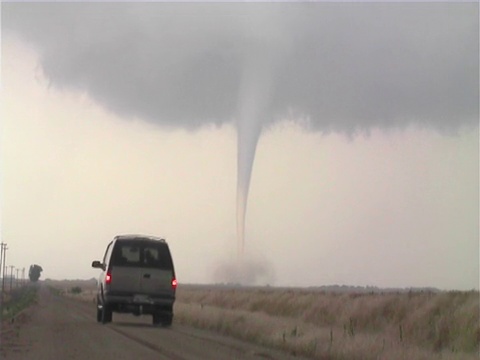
pixel 345 66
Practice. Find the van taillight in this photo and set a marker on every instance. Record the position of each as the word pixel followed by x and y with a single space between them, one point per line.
pixel 108 278
pixel 174 283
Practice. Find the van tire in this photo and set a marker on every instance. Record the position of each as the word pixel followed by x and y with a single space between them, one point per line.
pixel 106 314
pixel 167 321
pixel 99 314
pixel 159 319
pixel 156 319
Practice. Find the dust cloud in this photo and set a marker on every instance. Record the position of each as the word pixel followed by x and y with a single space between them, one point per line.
pixel 245 270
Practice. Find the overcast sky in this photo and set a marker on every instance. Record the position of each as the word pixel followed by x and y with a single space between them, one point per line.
pixel 123 118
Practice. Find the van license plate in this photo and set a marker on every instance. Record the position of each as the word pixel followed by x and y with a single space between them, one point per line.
pixel 142 299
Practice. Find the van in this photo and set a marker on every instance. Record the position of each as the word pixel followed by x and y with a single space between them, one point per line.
pixel 137 277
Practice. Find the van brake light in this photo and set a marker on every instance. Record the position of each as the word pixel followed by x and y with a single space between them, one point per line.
pixel 108 278
pixel 174 283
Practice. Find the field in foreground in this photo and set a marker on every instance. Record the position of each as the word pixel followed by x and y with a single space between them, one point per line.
pixel 333 325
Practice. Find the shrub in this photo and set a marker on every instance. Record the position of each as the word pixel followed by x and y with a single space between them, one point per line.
pixel 76 290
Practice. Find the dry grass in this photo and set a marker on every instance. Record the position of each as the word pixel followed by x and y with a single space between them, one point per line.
pixel 65 288
pixel 329 325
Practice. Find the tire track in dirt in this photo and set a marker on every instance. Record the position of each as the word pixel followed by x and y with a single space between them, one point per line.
pixel 171 355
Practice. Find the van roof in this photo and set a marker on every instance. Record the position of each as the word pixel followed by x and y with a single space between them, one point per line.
pixel 139 237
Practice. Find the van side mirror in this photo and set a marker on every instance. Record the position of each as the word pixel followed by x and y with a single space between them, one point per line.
pixel 97 264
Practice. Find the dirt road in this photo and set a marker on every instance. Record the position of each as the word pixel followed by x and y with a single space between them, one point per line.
pixel 61 328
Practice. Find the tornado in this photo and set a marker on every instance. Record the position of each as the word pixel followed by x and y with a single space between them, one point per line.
pixel 255 95
pixel 248 134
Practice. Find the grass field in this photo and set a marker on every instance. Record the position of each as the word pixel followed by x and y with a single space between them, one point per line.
pixel 340 325
pixel 332 324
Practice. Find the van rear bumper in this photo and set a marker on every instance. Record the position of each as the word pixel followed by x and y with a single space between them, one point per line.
pixel 139 305
pixel 139 299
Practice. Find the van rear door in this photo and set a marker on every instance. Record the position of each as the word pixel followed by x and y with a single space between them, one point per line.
pixel 126 268
pixel 158 272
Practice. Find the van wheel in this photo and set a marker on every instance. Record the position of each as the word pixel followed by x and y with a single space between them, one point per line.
pixel 167 320
pixel 156 319
pixel 99 315
pixel 162 320
pixel 99 310
pixel 106 314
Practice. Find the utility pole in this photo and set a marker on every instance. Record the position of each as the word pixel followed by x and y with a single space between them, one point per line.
pixel 11 276
pixel 4 266
pixel 23 276
pixel 3 249
pixel 16 277
pixel 1 257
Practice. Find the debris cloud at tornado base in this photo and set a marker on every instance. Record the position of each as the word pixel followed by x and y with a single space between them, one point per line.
pixel 246 270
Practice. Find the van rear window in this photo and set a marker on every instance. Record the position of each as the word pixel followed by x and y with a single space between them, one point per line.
pixel 142 254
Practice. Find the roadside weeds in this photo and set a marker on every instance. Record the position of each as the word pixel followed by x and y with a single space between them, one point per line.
pixel 17 301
